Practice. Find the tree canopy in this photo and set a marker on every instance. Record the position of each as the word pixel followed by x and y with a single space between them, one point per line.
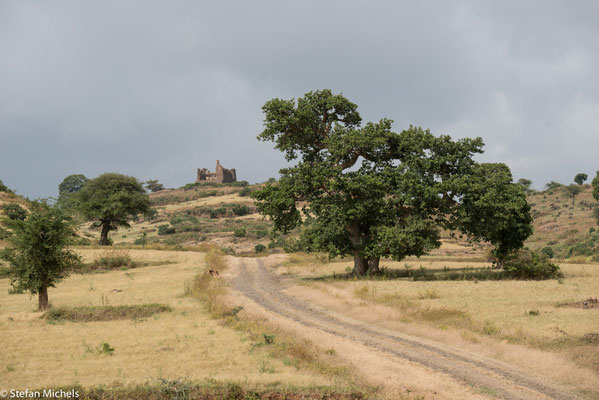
pixel 154 186
pixel 573 190
pixel 370 192
pixel 72 184
pixel 112 200
pixel 595 184
pixel 38 250
pixel 580 178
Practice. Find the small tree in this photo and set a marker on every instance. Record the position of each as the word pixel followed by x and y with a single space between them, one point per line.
pixel 38 251
pixel 525 183
pixel 153 185
pixel 112 199
pixel 580 178
pixel 573 190
pixel 553 185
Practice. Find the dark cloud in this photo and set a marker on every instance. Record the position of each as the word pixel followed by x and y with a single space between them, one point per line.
pixel 156 89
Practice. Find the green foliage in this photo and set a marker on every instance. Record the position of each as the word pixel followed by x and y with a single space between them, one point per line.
pixel 240 209
pixel 371 192
pixel 525 183
pixel 548 251
pixel 580 178
pixel 573 190
pixel 112 199
pixel 72 184
pixel 595 184
pixel 4 188
pixel 260 248
pixel 38 250
pixel 246 191
pixel 553 185
pixel 14 211
pixel 153 185
pixel 166 229
pixel 151 214
pixel 526 264
pixel 494 209
pixel 239 232
pixel 104 348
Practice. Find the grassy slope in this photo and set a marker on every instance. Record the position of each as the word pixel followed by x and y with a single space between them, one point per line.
pixel 559 224
pixel 183 343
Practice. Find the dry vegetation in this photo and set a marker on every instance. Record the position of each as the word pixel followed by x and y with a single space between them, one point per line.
pixel 136 327
pixel 542 326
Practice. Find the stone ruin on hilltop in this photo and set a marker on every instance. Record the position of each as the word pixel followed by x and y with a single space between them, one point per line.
pixel 220 175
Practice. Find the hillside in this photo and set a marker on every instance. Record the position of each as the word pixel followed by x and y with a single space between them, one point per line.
pixel 570 230
pixel 225 215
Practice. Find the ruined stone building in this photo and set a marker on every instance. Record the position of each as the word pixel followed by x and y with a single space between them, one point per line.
pixel 220 175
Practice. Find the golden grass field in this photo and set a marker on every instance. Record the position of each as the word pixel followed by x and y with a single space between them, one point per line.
pixel 185 342
pixel 526 323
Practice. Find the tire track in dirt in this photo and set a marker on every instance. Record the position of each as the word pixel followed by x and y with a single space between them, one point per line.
pixel 265 289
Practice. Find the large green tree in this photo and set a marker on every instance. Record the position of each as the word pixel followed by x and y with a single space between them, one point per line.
pixel 595 184
pixel 370 192
pixel 38 250
pixel 112 200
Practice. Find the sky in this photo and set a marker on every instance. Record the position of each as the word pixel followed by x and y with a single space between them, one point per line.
pixel 157 89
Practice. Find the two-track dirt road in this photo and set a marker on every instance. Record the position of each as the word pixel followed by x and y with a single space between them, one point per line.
pixel 476 377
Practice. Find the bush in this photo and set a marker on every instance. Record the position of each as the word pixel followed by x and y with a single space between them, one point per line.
pixel 526 264
pixel 581 249
pixel 14 211
pixel 5 189
pixel 239 232
pixel 260 248
pixel 261 233
pixel 548 251
pixel 165 230
pixel 240 209
pixel 114 259
pixel 246 191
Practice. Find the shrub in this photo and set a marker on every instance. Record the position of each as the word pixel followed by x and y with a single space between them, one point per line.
pixel 240 209
pixel 261 233
pixel 591 230
pixel 14 211
pixel 581 249
pixel 260 248
pixel 548 251
pixel 246 191
pixel 526 264
pixel 5 189
pixel 115 259
pixel 165 230
pixel 239 232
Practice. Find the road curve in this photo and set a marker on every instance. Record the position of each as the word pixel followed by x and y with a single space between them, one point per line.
pixel 255 282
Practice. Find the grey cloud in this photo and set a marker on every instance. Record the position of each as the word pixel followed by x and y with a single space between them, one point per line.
pixel 156 89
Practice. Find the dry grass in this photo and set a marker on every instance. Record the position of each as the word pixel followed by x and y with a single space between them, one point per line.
pixel 185 342
pixel 518 321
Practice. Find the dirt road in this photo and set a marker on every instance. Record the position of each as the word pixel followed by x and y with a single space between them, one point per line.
pixel 253 280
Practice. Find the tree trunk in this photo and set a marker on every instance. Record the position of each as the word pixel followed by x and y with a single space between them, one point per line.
pixel 360 264
pixel 43 298
pixel 373 264
pixel 104 235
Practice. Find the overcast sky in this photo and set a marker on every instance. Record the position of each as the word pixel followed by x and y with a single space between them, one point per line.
pixel 156 89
